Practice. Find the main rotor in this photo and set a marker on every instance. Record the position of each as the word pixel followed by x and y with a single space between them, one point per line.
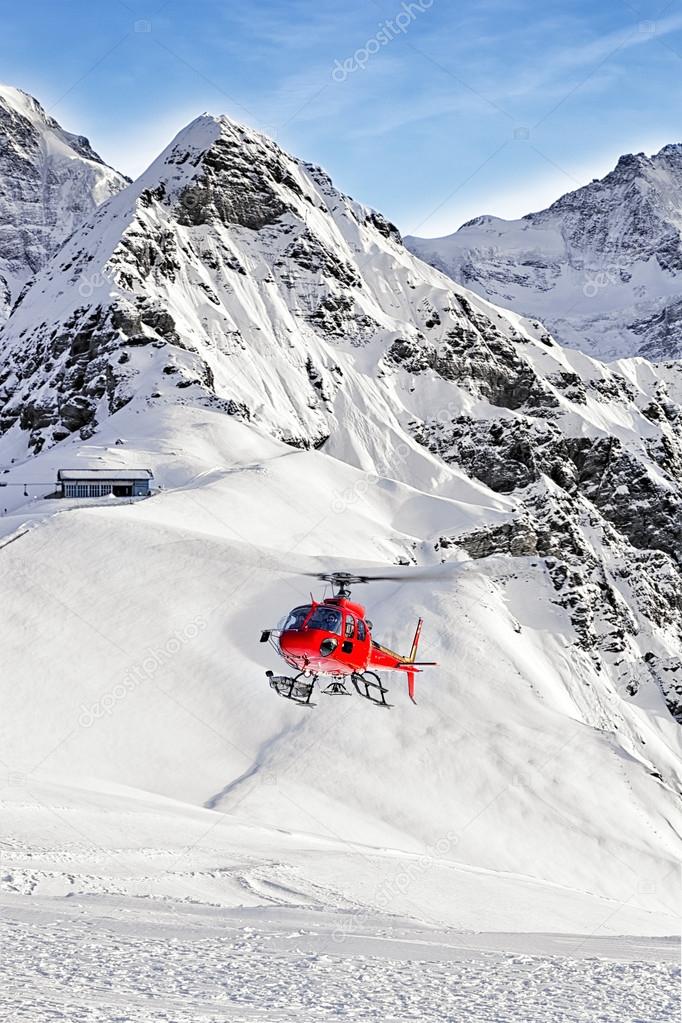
pixel 342 581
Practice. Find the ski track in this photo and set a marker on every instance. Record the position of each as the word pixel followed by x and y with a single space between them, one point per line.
pixel 110 968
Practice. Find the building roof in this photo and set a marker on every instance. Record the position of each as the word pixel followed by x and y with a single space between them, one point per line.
pixel 97 475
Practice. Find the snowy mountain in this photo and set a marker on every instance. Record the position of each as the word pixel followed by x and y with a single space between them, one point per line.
pixel 602 267
pixel 50 182
pixel 309 395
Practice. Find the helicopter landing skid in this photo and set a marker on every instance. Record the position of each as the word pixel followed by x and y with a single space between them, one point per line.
pixel 336 688
pixel 299 689
pixel 369 686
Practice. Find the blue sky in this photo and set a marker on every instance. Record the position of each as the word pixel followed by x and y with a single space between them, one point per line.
pixel 433 112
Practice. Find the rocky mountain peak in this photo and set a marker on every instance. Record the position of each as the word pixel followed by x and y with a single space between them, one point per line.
pixel 50 181
pixel 671 153
pixel 19 104
pixel 225 244
pixel 629 163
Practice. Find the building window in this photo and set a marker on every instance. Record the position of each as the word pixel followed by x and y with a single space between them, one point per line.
pixel 122 488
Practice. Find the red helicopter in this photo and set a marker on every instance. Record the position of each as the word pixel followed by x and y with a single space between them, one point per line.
pixel 333 638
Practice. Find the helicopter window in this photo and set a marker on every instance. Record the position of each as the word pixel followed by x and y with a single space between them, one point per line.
pixel 295 619
pixel 328 619
pixel 362 632
pixel 350 626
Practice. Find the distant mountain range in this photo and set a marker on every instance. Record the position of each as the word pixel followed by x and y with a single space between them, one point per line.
pixel 602 267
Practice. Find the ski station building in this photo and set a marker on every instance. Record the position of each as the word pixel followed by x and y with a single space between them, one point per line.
pixel 104 482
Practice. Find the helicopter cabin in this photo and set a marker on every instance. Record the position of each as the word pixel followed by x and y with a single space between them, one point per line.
pixel 340 617
pixel 105 482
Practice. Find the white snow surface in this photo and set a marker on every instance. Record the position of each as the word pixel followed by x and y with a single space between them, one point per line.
pixel 166 813
pixel 134 907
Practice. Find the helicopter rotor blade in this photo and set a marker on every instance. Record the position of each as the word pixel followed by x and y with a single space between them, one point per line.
pixel 352 579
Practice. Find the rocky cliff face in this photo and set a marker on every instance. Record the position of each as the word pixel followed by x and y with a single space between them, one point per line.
pixel 602 267
pixel 50 182
pixel 234 276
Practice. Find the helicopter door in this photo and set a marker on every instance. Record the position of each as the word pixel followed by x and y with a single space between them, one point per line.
pixel 349 633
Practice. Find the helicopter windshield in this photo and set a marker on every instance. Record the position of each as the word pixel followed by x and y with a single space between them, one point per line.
pixel 328 619
pixel 295 619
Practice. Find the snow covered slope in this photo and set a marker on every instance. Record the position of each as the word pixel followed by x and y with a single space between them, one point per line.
pixel 140 908
pixel 131 656
pixel 602 267
pixel 50 181
pixel 234 277
pixel 309 395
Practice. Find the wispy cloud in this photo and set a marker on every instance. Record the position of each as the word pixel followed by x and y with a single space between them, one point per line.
pixel 421 117
pixel 462 74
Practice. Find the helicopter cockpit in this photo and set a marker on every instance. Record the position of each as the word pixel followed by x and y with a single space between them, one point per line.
pixel 295 619
pixel 326 619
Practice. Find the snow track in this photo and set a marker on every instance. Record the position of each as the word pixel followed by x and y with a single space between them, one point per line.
pixel 105 962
